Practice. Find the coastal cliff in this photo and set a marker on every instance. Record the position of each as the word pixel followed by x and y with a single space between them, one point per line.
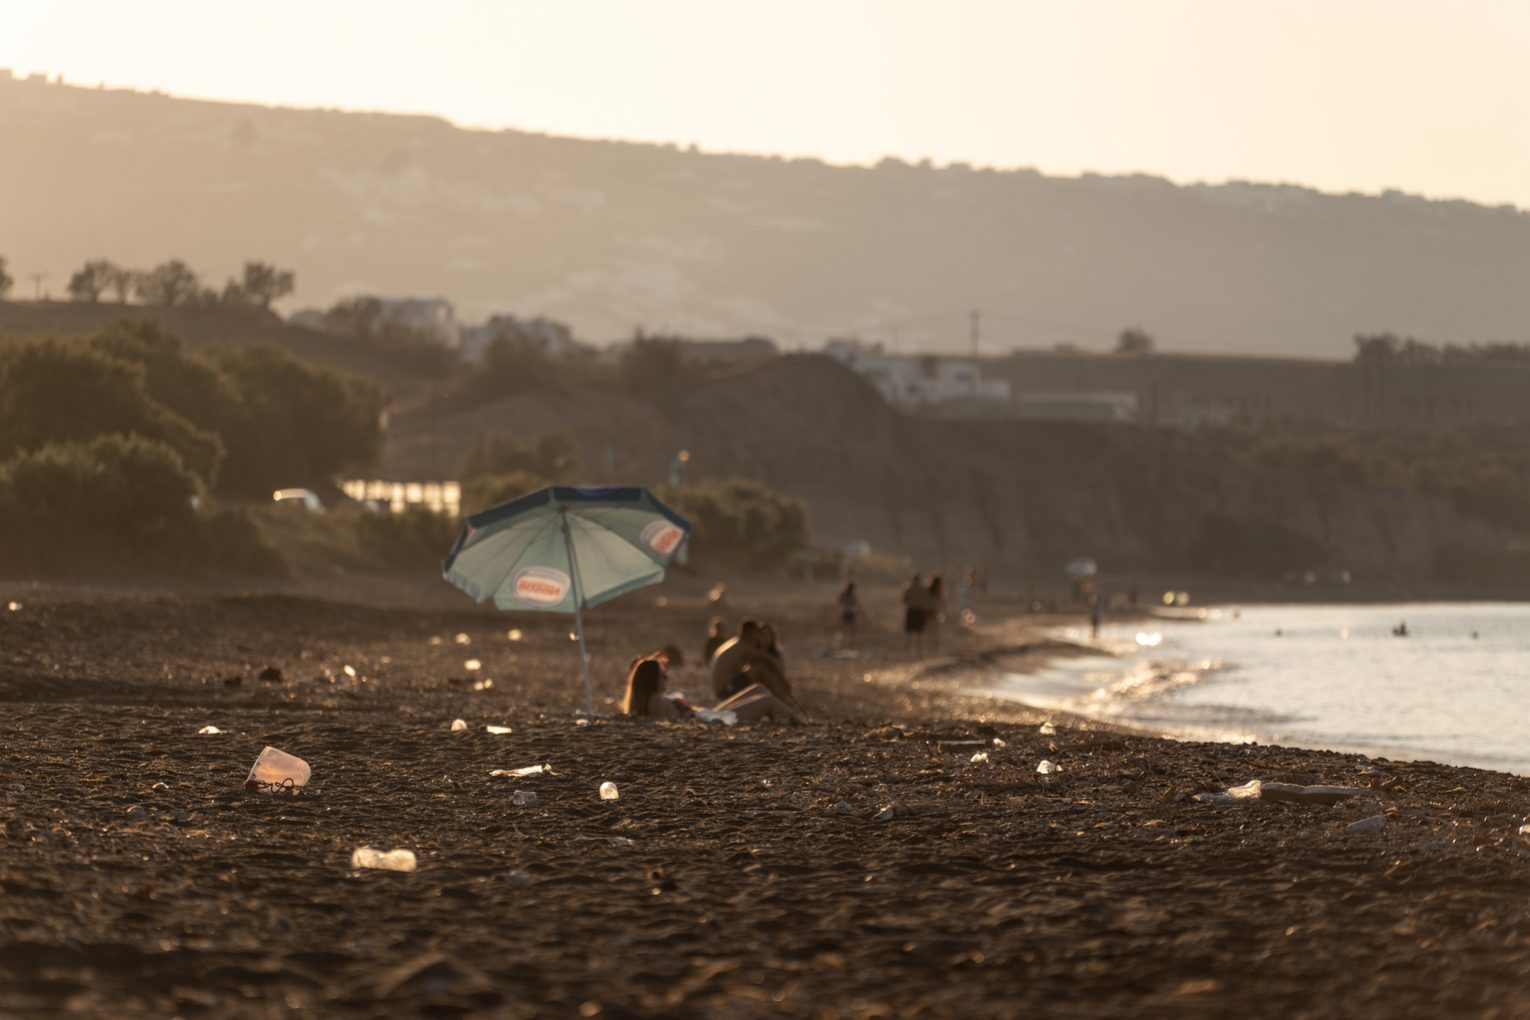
pixel 1019 496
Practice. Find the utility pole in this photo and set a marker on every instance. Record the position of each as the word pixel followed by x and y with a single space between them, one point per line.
pixel 976 317
pixel 37 279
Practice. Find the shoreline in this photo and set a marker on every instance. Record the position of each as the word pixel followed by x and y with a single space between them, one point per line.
pixel 902 853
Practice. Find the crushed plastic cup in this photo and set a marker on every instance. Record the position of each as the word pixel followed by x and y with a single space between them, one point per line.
pixel 459 725
pixel 209 731
pixel 383 860
pixel 523 798
pixel 999 743
pixel 608 791
pixel 981 758
pixel 498 731
pixel 276 771
pixel 1046 768
pixel 529 770
pixel 1047 729
pixel 1251 789
pixel 724 716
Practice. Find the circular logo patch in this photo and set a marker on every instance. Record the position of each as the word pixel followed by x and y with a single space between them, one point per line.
pixel 662 537
pixel 541 586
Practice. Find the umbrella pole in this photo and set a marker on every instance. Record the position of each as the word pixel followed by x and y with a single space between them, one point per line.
pixel 584 660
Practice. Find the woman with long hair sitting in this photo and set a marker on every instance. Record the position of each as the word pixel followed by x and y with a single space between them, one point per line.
pixel 646 698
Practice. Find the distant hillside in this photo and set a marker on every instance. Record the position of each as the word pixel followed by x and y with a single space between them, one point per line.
pixel 609 236
pixel 1022 497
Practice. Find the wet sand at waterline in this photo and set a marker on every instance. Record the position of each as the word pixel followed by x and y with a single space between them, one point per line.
pixel 748 871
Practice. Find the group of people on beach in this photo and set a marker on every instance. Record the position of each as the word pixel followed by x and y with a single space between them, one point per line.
pixel 748 677
pixel 924 606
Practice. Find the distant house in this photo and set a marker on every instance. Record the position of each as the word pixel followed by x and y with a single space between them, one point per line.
pixel 728 352
pixel 551 337
pixel 919 381
pixel 430 317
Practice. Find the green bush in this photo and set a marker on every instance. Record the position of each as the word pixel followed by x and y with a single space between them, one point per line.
pixel 415 538
pixel 742 524
pixel 484 491
pixel 54 391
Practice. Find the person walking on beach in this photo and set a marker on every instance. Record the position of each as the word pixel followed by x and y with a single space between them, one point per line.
pixel 849 614
pixel 915 598
pixel 1096 610
pixel 934 610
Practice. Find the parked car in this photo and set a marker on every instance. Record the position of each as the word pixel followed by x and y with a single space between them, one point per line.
pixel 305 498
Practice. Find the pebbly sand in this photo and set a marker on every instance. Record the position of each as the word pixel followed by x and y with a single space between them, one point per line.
pixel 748 871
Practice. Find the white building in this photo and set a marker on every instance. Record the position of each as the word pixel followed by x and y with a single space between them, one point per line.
pixel 553 338
pixel 918 381
pixel 431 317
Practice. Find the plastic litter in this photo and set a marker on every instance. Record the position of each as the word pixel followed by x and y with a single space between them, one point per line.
pixel 276 771
pixel 981 758
pixel 1047 729
pixel 1046 768
pixel 383 860
pixel 885 815
pixel 529 770
pixel 459 726
pixel 1249 790
pixel 523 798
pixel 726 717
pixel 608 791
pixel 209 731
pixel 496 730
pixel 160 787
pixel 999 743
pixel 463 639
pixel 1524 830
pixel 1309 794
pixel 581 722
pixel 1375 823
pixel 472 665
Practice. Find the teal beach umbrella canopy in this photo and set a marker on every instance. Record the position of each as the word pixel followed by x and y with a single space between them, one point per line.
pixel 563 549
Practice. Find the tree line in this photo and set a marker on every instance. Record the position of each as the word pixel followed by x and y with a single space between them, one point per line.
pixel 114 447
pixel 171 284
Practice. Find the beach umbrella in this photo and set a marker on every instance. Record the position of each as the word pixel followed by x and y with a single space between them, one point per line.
pixel 564 549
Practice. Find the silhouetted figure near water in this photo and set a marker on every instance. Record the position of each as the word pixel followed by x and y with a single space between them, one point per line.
pixel 1096 610
pixel 1401 630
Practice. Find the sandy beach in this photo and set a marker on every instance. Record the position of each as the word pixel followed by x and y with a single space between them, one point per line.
pixel 862 865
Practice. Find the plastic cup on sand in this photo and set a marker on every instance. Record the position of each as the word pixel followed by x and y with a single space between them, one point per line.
pixel 383 860
pixel 608 791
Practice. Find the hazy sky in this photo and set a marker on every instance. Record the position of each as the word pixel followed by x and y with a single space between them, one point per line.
pixel 1344 95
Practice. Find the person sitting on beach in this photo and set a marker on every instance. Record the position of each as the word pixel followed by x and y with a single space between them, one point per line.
pixel 646 698
pixel 753 657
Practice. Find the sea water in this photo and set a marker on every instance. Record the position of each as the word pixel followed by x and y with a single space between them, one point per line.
pixel 1455 689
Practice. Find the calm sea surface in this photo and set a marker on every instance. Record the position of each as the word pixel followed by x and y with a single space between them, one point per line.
pixel 1455 690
